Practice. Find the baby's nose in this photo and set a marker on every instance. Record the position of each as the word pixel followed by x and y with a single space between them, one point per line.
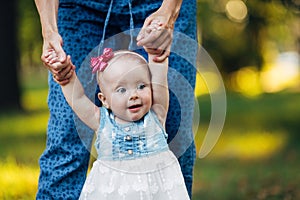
pixel 134 96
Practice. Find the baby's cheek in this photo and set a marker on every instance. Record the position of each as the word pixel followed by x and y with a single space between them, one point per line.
pixel 149 99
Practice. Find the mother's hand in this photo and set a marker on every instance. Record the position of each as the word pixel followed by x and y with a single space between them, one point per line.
pixel 156 36
pixel 55 60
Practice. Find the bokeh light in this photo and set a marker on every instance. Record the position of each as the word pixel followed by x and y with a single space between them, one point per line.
pixel 246 81
pixel 250 145
pixel 236 10
pixel 283 74
pixel 201 83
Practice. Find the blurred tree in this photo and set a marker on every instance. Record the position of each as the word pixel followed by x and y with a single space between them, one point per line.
pixel 29 35
pixel 21 47
pixel 9 86
pixel 292 4
pixel 235 32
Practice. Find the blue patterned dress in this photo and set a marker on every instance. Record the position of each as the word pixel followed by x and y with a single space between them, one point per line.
pixel 64 163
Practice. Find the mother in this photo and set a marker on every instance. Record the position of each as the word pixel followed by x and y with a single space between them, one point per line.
pixel 75 27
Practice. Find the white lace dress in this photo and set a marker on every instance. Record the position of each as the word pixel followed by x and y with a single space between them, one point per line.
pixel 155 176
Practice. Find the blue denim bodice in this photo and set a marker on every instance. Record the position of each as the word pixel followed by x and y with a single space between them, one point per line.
pixel 128 141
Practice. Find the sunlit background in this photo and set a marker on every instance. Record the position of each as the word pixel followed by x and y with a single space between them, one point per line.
pixel 254 43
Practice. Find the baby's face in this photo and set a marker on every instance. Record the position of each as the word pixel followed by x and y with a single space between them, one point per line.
pixel 126 87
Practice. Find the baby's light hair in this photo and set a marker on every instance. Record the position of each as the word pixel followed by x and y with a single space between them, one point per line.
pixel 124 52
pixel 117 55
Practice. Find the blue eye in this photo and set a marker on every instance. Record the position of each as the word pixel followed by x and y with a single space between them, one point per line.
pixel 121 90
pixel 141 86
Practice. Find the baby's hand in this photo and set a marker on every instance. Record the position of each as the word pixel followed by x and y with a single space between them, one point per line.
pixel 51 57
pixel 61 77
pixel 150 31
pixel 155 25
pixel 156 40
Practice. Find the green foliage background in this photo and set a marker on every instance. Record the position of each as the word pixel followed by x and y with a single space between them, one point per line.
pixel 257 155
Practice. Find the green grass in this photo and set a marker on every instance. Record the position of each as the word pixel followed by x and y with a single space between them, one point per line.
pixel 22 141
pixel 256 157
pixel 271 178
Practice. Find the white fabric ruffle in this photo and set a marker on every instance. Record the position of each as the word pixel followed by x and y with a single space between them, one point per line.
pixel 155 177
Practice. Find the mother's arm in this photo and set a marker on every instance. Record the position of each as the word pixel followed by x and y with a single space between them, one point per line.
pixel 52 40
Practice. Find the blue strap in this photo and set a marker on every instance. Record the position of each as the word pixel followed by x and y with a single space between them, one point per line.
pixel 104 28
pixel 130 47
pixel 131 26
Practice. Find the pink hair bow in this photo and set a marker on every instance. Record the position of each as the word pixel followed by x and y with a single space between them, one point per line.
pixel 100 62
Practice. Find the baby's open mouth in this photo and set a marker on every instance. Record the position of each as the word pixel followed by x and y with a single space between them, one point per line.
pixel 135 106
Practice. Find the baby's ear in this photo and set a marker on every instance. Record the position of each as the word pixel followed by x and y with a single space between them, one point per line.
pixel 102 98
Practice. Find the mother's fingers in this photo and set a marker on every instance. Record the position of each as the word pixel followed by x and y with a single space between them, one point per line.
pixel 165 45
pixel 162 42
pixel 157 38
pixel 65 73
pixel 149 32
pixel 61 82
pixel 144 30
pixel 63 79
pixel 153 51
pixel 55 67
pixel 162 57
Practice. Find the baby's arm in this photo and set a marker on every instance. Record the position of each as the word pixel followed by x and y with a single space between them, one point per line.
pixel 160 92
pixel 84 108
